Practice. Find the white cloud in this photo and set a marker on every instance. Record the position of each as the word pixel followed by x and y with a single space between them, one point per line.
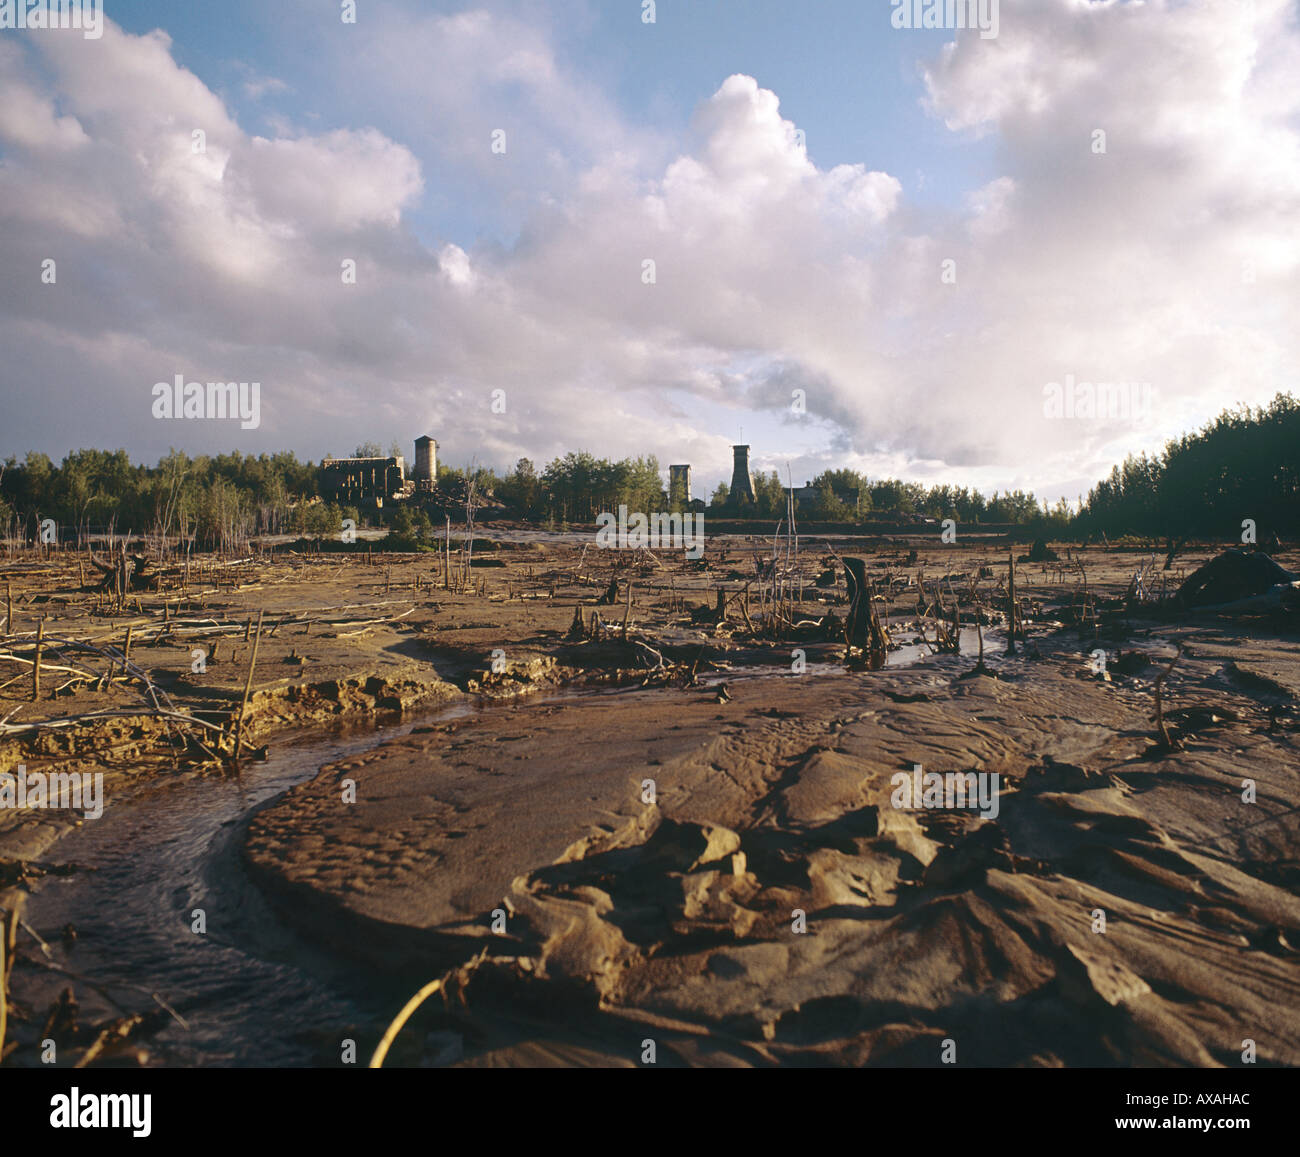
pixel 338 181
pixel 771 274
pixel 28 119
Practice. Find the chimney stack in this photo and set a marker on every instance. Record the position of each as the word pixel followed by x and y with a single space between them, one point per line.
pixel 742 482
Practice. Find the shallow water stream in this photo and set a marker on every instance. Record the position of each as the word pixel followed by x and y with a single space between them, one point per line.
pixel 251 992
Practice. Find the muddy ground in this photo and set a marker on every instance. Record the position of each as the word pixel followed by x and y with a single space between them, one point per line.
pixel 762 900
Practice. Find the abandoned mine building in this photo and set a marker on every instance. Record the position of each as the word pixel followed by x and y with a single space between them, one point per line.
pixel 367 483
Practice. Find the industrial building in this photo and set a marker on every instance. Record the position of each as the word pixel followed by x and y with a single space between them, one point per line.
pixel 362 482
pixel 367 483
pixel 426 464
pixel 742 481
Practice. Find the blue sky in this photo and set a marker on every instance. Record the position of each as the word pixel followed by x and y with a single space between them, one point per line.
pixel 1107 191
pixel 844 77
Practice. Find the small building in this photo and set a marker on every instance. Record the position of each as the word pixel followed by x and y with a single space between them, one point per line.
pixel 807 494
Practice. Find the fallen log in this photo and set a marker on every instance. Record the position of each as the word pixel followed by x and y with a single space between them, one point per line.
pixel 100 716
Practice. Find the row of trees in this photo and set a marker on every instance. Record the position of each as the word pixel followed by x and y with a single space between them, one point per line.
pixel 218 501
pixel 579 486
pixel 221 500
pixel 835 501
pixel 575 488
pixel 1245 464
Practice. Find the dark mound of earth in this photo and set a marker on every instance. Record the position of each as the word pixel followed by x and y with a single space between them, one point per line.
pixel 1233 575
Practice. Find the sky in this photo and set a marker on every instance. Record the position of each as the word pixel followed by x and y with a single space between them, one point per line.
pixel 873 247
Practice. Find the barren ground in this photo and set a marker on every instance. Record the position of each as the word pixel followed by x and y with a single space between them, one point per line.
pixel 679 919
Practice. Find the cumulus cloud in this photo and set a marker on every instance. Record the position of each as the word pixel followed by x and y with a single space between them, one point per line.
pixel 27 118
pixel 1169 258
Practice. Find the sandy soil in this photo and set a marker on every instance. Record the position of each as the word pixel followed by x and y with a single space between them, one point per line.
pixel 772 798
pixel 775 800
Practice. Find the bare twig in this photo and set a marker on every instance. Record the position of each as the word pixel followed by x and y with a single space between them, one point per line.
pixel 248 686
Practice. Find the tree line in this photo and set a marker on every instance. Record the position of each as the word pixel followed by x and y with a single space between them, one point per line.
pixel 847 496
pixel 1243 465
pixel 212 500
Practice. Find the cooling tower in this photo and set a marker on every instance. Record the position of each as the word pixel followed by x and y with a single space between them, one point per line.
pixel 742 484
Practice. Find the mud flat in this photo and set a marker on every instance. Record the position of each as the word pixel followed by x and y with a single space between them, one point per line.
pixel 151 680
pixel 1125 905
pixel 763 900
pixel 154 684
